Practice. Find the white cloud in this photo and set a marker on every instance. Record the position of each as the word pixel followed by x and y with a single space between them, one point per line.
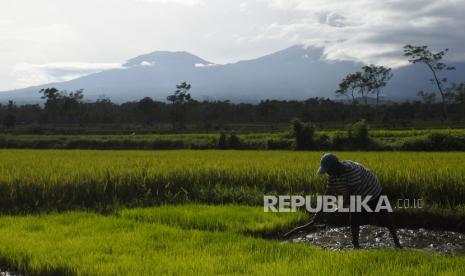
pixel 34 74
pixel 147 63
pixel 178 2
pixel 201 65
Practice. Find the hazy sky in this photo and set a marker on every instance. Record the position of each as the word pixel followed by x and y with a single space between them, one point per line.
pixel 52 40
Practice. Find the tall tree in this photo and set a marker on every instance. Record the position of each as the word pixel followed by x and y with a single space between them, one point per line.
pixel 377 78
pixel 179 101
pixel 421 54
pixel 61 105
pixel 354 83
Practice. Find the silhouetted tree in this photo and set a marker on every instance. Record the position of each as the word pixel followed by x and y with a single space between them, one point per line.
pixel 421 54
pixel 376 78
pixel 219 114
pixel 354 83
pixel 147 107
pixel 61 105
pixel 179 101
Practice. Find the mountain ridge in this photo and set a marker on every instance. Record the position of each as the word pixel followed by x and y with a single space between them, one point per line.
pixel 296 73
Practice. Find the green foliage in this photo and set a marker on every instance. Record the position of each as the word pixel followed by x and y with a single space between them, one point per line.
pixel 303 134
pixel 231 141
pixel 370 80
pixel 436 141
pixel 65 114
pixel 352 85
pixel 223 141
pixel 234 141
pixel 62 105
pixel 358 133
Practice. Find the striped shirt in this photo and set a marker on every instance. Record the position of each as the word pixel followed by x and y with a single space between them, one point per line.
pixel 354 180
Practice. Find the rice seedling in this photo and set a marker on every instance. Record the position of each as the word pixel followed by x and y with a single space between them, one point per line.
pixel 187 240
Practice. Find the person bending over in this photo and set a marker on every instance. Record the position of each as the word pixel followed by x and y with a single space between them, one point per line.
pixel 348 178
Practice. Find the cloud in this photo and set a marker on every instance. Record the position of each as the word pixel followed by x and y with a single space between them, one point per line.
pixel 224 31
pixel 371 31
pixel 201 65
pixel 51 33
pixel 177 2
pixel 34 74
pixel 147 63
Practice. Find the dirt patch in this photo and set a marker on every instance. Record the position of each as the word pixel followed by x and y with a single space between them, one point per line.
pixel 340 238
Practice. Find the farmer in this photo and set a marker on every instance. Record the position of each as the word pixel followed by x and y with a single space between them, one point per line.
pixel 348 178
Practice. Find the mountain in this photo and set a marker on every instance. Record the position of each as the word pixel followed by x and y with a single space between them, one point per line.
pixel 295 73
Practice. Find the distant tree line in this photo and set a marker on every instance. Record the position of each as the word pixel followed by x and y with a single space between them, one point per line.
pixel 69 108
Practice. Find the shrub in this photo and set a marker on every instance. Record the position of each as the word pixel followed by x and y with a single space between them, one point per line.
pixel 359 131
pixel 234 141
pixel 340 141
pixel 323 141
pixel 358 134
pixel 223 141
pixel 303 134
pixel 229 142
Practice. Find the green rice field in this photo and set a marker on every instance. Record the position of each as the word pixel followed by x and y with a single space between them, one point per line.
pixel 185 212
pixel 189 240
pixel 50 180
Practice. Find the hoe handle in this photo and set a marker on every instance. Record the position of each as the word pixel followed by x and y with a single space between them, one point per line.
pixel 300 228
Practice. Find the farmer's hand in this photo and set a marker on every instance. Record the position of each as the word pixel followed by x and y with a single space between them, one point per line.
pixel 316 216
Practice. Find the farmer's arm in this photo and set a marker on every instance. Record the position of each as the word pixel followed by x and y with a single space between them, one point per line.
pixel 328 191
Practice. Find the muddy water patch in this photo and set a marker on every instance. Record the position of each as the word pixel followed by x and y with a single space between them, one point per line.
pixel 340 238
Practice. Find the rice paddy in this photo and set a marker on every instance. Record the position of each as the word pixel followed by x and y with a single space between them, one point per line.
pixel 188 240
pixel 34 180
pixel 85 212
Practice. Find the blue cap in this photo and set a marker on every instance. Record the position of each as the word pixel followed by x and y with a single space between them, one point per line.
pixel 327 161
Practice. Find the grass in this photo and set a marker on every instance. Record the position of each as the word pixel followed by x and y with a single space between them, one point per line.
pixel 188 240
pixel 48 180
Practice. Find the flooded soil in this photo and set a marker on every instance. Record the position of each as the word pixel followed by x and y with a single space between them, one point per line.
pixel 340 238
pixel 6 273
